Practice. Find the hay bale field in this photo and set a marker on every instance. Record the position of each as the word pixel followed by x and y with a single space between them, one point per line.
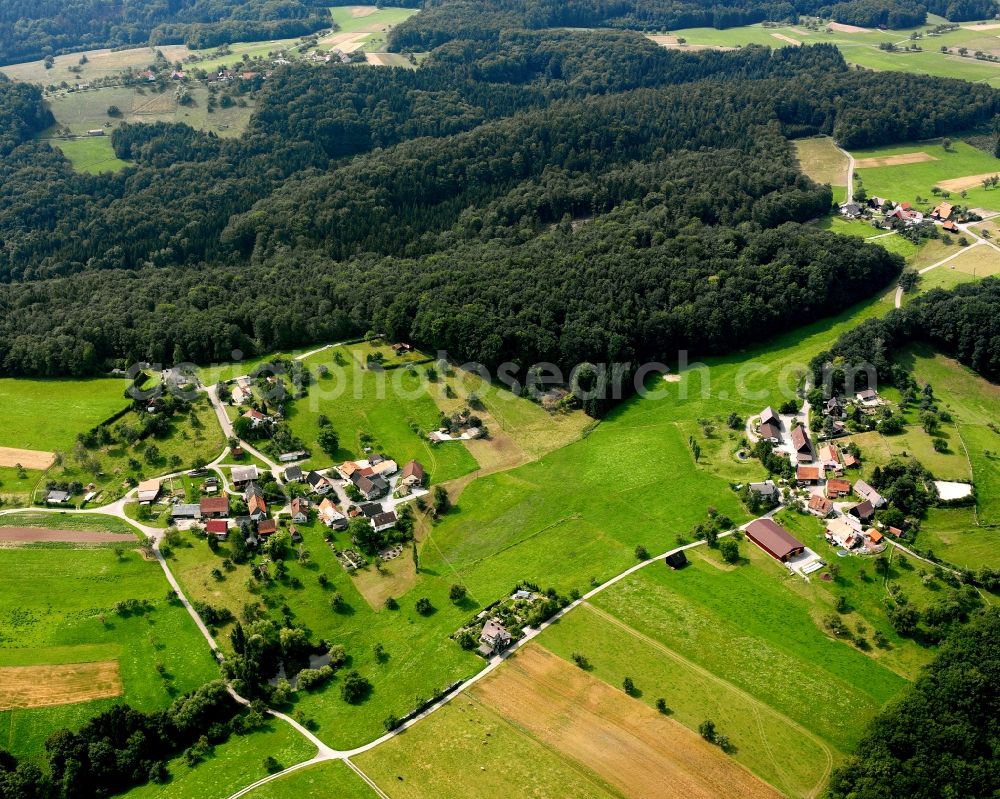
pixel 46 686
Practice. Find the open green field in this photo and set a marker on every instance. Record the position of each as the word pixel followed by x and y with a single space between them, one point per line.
pixel 68 521
pixel 90 154
pixel 775 652
pixel 862 47
pixel 322 781
pixel 99 64
pixel 392 407
pixel 232 765
pixel 17 489
pixel 351 19
pixel 47 414
pixel 465 749
pixel 821 160
pixel 907 182
pixel 57 607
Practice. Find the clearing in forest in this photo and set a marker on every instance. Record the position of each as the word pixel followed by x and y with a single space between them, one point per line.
pixel 45 686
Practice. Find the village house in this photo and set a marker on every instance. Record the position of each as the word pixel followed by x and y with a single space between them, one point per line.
pixel 851 210
pixel 256 417
pixel 774 539
pixel 834 407
pixel 413 474
pixel 331 516
pixel 241 475
pixel 837 488
pixel 770 432
pixel 951 227
pixel 241 394
pixel 868 398
pixel 768 416
pixel 293 474
pixel 862 489
pixel 370 487
pixel 217 527
pixel 318 482
pixel 942 211
pixel 371 509
pixel 863 511
pixel 820 506
pixel 214 507
pixel 676 560
pixel 829 457
pixel 300 510
pixel 58 497
pixel 288 457
pixel 840 533
pixel 267 527
pixel 808 475
pixel 384 521
pixel 256 507
pixel 800 445
pixel 851 461
pixel 183 511
pixel 765 489
pixel 494 638
pixel 149 490
pixel 347 469
pixel 385 468
pixel 296 536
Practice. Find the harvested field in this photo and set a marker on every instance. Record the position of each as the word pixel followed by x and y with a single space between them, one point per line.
pixel 153 104
pixel 28 458
pixel 968 182
pixel 787 39
pixel 35 535
pixel 893 160
pixel 363 11
pixel 991 26
pixel 378 59
pixel 45 686
pixel 839 26
pixel 609 733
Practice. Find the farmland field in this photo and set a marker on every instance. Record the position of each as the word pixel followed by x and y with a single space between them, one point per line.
pixel 322 781
pixel 57 609
pixel 861 47
pixel 904 183
pixel 823 162
pixel 47 414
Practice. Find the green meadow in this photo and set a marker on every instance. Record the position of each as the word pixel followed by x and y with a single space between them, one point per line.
pixel 90 154
pixel 47 414
pixel 907 182
pixel 390 410
pixel 322 781
pixel 351 19
pixel 232 765
pixel 57 607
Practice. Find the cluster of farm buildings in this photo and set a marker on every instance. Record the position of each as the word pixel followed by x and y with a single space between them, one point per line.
pixel 888 215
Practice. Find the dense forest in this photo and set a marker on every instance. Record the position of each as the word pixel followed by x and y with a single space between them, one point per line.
pixel 940 739
pixel 33 29
pixel 544 195
pixel 963 323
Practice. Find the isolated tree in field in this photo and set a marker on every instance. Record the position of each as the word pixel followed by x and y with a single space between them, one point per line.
pixel 580 660
pixel 457 593
pixel 328 440
pixel 114 111
pixel 735 421
pixel 442 502
pixel 730 550
pixel 354 688
pixel 707 730
pixel 661 705
pixel 628 686
pixel 424 606
pixel 641 553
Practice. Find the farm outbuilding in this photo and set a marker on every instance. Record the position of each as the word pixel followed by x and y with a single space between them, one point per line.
pixel 774 539
pixel 676 560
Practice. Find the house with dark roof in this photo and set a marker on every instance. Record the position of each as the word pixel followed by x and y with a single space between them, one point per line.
pixel 318 482
pixel 185 511
pixel 768 416
pixel 834 407
pixel 58 497
pixel 800 444
pixel 774 539
pixel 494 638
pixel 676 560
pixel 413 474
pixel 293 474
pixel 863 510
pixel 767 488
pixel 770 432
pixel 241 475
pixel 370 487
pixel 384 521
pixel 371 509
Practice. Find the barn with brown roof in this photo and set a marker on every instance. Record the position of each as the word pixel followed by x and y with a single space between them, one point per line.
pixel 774 539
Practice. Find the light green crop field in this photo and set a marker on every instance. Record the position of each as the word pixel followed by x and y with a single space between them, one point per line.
pixel 91 154
pixel 232 765
pixel 862 47
pixel 772 649
pixel 333 780
pixel 57 607
pixel 907 182
pixel 68 521
pixel 47 414
pixel 822 161
pixel 351 19
pixel 466 749
pixel 392 406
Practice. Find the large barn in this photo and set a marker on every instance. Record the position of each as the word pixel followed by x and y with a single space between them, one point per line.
pixel 774 539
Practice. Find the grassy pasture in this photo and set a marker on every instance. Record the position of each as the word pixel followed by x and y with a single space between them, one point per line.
pixel 93 155
pixel 317 782
pixel 776 653
pixel 67 521
pixel 232 765
pixel 392 406
pixel 51 612
pixel 47 414
pixel 820 159
pixel 905 182
pixel 100 64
